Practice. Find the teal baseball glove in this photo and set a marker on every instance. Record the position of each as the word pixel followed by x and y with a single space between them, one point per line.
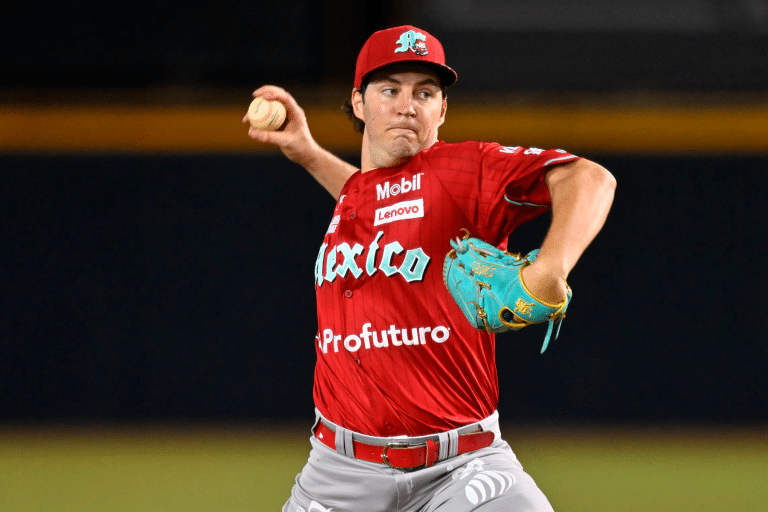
pixel 487 284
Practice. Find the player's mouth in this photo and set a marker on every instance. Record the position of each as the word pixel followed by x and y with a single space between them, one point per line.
pixel 403 129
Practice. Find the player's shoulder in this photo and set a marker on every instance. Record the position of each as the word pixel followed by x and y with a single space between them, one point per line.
pixel 471 150
pixel 351 180
pixel 448 154
pixel 468 146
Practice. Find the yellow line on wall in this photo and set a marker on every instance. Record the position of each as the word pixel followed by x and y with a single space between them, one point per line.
pixel 587 129
pixel 649 130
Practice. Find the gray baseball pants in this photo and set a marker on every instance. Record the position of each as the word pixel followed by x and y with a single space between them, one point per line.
pixel 487 480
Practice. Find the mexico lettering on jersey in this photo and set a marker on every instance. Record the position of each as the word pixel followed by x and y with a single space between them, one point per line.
pixel 395 355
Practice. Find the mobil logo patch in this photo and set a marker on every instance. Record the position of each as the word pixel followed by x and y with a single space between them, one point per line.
pixel 386 190
pixel 399 211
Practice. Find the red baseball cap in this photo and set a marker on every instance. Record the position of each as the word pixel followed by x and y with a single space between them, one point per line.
pixel 402 44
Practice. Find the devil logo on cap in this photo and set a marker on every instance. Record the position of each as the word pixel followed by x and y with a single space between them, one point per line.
pixel 414 41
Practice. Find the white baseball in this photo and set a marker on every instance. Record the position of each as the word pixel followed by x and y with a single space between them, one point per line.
pixel 266 115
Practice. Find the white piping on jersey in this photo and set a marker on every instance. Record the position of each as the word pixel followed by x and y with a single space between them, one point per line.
pixel 559 159
pixel 523 203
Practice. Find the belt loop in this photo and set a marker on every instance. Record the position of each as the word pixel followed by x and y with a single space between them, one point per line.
pixel 492 423
pixel 442 438
pixel 453 443
pixel 344 442
pixel 349 446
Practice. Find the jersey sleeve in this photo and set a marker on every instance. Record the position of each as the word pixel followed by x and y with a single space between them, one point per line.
pixel 497 187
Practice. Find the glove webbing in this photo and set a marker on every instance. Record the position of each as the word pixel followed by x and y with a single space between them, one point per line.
pixel 557 316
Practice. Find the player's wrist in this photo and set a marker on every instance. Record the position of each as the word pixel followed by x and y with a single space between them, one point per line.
pixel 551 266
pixel 546 283
pixel 307 153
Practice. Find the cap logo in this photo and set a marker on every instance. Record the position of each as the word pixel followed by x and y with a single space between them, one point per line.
pixel 413 41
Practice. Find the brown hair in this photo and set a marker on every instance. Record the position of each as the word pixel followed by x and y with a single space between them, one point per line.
pixel 349 110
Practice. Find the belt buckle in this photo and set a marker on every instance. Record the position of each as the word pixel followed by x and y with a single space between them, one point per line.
pixel 395 445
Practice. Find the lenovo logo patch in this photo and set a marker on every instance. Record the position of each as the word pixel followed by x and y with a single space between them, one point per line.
pixel 400 211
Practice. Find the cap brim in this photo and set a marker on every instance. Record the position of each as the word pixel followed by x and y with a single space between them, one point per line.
pixel 446 74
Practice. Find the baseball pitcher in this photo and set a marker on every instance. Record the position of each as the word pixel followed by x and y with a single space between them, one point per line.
pixel 413 280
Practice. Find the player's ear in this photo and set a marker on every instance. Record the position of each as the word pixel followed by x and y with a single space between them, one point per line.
pixel 357 104
pixel 443 110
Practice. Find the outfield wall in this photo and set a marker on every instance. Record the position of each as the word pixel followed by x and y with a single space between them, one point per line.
pixel 181 286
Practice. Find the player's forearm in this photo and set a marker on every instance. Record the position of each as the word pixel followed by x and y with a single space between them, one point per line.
pixel 329 170
pixel 582 194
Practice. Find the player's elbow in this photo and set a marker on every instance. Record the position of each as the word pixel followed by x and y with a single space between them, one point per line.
pixel 601 178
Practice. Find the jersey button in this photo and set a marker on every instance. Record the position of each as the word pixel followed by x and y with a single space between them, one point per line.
pixel 353 215
pixel 348 293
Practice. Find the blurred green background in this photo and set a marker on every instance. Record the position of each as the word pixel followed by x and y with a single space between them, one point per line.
pixel 247 468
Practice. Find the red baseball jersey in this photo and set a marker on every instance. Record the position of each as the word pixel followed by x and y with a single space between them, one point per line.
pixel 395 354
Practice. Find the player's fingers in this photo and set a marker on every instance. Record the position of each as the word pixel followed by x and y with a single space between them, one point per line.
pixel 256 134
pixel 269 137
pixel 272 92
pixel 267 90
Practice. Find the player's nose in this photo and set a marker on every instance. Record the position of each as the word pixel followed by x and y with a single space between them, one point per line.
pixel 406 107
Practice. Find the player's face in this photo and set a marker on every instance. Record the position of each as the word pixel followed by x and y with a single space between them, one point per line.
pixel 402 110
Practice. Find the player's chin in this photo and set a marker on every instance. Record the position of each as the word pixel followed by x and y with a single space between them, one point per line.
pixel 405 146
pixel 401 155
